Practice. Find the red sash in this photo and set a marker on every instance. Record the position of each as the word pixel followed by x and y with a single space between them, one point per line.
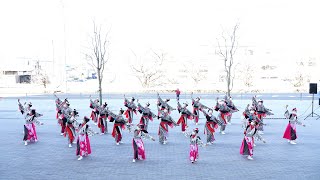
pixel 114 131
pixel 211 126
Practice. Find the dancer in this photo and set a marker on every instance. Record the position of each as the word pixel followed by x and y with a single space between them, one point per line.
pixel 178 92
pixel 146 115
pixel 30 133
pixel 233 108
pixel 166 121
pixel 254 102
pixel 248 140
pixel 224 112
pixel 102 119
pixel 246 114
pixel 291 131
pixel 131 108
pixel 62 120
pixel 262 112
pixel 59 104
pixel 24 109
pixel 197 106
pixel 70 130
pixel 195 140
pixel 94 105
pixel 83 141
pixel 119 125
pixel 210 126
pixel 164 105
pixel 250 115
pixel 185 115
pixel 66 110
pixel 137 143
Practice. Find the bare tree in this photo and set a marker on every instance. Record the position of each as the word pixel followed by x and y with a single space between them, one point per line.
pixel 172 81
pixel 196 72
pixel 40 76
pixel 300 77
pixel 246 75
pixel 45 81
pixel 99 54
pixel 148 69
pixel 226 51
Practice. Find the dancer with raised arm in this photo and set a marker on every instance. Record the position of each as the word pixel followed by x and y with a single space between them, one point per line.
pixel 83 141
pixel 26 108
pixel 254 102
pixel 166 121
pixel 262 112
pixel 163 104
pixel 245 116
pixel 30 133
pixel 94 105
pixel 197 106
pixel 70 128
pixel 146 115
pixel 250 115
pixel 233 108
pixel 131 108
pixel 119 124
pixel 210 126
pixel 66 110
pixel 224 112
pixel 291 130
pixel 102 118
pixel 184 117
pixel 64 113
pixel 59 104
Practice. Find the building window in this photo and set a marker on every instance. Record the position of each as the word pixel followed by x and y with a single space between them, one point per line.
pixel 10 72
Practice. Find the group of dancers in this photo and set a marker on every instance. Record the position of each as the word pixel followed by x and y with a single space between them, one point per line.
pixel 79 133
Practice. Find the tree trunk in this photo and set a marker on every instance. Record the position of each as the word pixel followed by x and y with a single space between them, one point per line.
pixel 100 88
pixel 100 92
pixel 228 88
pixel 228 78
pixel 229 81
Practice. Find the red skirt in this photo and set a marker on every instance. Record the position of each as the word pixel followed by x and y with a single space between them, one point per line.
pixel 247 146
pixel 83 145
pixel 138 149
pixel 290 133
